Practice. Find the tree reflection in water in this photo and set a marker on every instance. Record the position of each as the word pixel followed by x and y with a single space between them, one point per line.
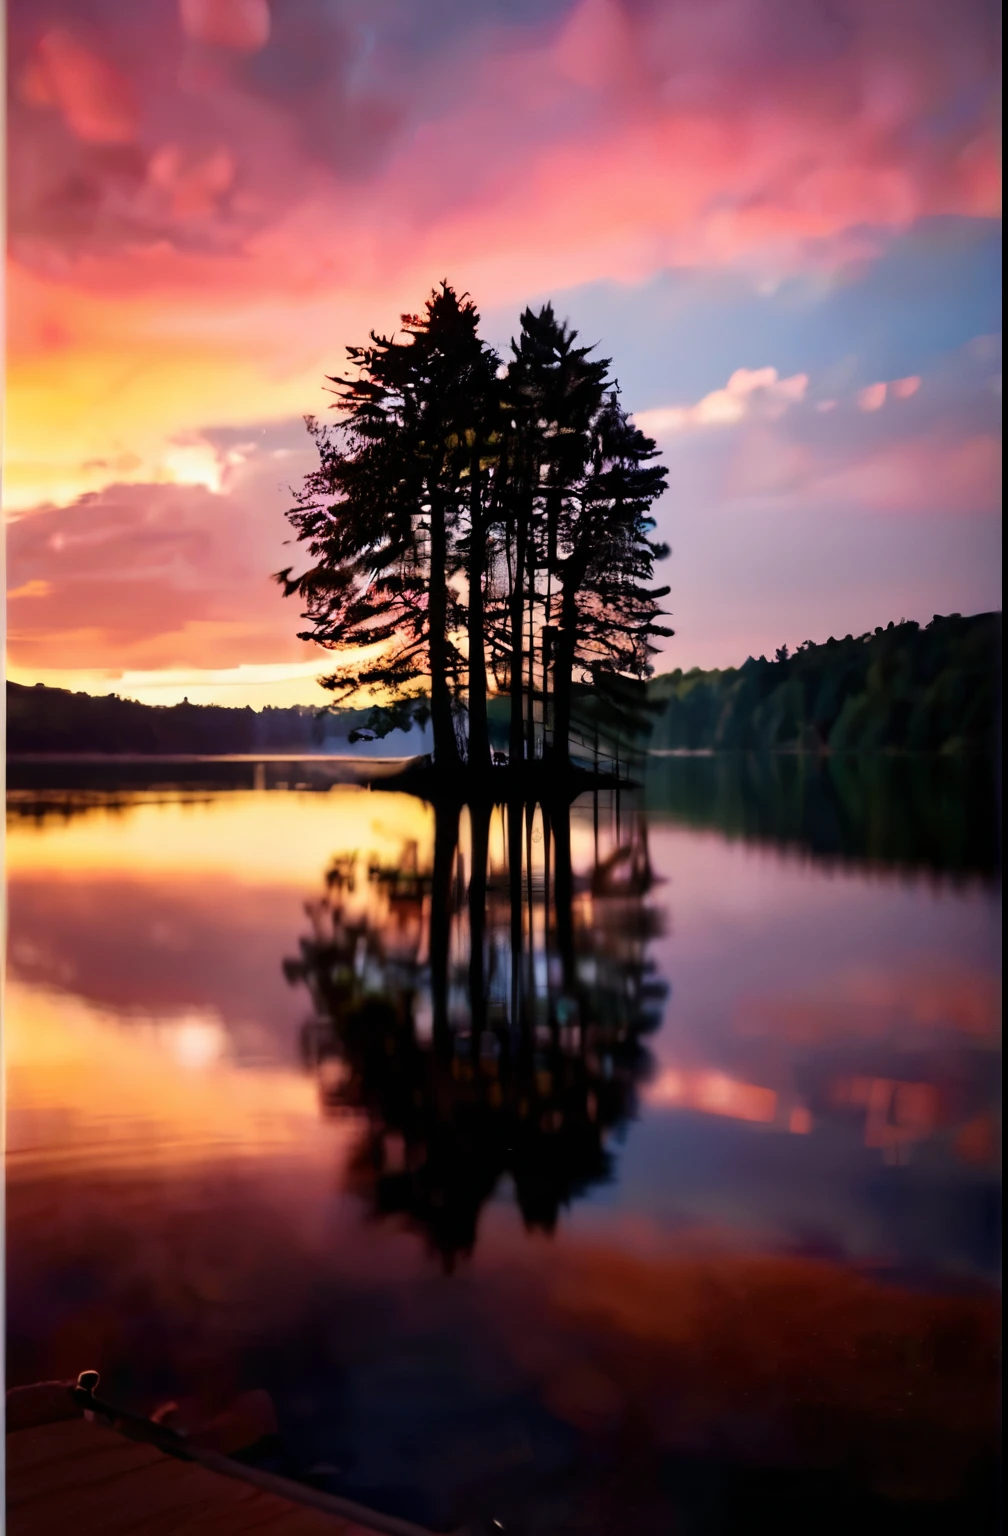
pixel 487 1025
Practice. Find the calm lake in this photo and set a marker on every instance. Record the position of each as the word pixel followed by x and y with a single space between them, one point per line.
pixel 637 1171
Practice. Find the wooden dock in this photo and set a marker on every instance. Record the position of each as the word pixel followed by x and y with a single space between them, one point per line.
pixel 79 1476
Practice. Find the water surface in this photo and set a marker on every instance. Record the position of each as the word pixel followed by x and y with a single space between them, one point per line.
pixel 678 1207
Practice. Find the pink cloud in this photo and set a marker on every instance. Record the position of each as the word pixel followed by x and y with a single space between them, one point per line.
pixel 939 453
pixel 148 576
pixel 915 478
pixel 97 102
pixel 873 398
pixel 243 25
pixel 749 392
pixel 192 184
pixel 610 144
pixel 596 46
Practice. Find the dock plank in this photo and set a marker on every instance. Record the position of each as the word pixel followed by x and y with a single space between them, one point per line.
pixel 69 1454
pixel 77 1476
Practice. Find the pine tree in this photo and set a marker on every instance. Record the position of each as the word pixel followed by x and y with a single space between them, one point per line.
pixel 461 509
pixel 605 561
pixel 554 390
pixel 383 516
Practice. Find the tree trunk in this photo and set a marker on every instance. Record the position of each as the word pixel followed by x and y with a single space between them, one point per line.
pixel 516 735
pixel 479 730
pixel 548 635
pixel 531 649
pixel 563 665
pixel 563 679
pixel 446 753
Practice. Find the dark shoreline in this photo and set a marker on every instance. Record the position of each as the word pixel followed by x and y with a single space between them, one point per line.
pixel 414 776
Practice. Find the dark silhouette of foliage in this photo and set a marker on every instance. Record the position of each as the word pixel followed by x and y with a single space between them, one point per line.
pixel 395 509
pixel 462 509
pixel 42 719
pixel 555 391
pixel 901 688
pixel 608 607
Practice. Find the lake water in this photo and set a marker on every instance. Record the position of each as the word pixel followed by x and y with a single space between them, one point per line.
pixel 680 1211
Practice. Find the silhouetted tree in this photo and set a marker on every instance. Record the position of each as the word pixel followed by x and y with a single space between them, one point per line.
pixel 604 558
pixel 456 497
pixel 555 390
pixel 383 514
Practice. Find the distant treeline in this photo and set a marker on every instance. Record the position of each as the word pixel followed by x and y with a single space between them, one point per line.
pixel 44 719
pixel 902 688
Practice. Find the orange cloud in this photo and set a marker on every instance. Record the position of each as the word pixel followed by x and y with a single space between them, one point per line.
pixel 36 588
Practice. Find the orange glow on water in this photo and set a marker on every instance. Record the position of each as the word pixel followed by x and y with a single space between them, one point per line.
pixel 251 837
pixel 714 1093
pixel 89 1090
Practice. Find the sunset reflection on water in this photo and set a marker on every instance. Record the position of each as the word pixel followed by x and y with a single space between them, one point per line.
pixel 697 1182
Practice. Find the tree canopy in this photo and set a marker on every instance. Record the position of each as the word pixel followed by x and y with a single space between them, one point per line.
pixel 479 527
pixel 900 688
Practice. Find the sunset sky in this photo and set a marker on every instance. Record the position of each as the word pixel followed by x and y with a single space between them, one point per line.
pixel 779 218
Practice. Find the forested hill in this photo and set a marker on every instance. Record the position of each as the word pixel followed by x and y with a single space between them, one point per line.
pixel 935 688
pixel 44 719
pixel 928 689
